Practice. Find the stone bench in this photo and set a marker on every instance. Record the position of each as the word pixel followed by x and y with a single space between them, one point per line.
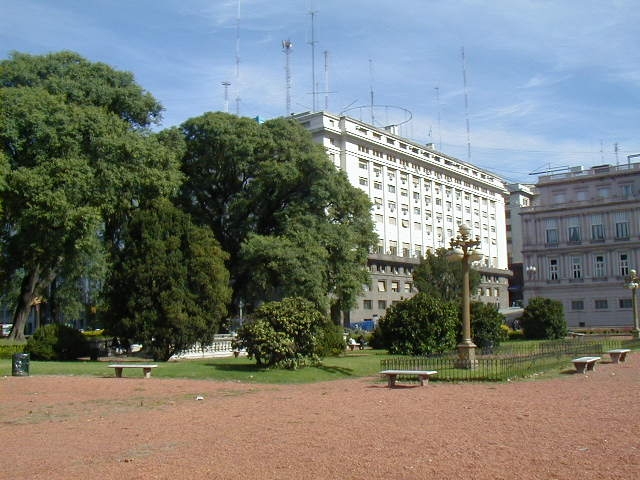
pixel 583 364
pixel 353 346
pixel 146 368
pixel 618 355
pixel 423 375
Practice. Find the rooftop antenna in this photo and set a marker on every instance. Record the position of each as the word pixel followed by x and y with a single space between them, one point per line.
pixel 326 81
pixel 287 45
pixel 226 95
pixel 371 90
pixel 313 58
pixel 466 104
pixel 615 149
pixel 439 130
pixel 238 60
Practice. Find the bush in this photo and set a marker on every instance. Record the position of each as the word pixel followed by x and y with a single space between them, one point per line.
pixel 486 325
pixel 330 341
pixel 421 325
pixel 56 342
pixel 543 318
pixel 283 334
pixel 9 347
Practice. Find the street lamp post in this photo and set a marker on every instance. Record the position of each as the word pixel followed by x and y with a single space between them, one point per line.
pixel 632 283
pixel 464 248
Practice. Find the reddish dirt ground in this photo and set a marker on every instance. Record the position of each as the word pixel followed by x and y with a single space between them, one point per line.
pixel 575 426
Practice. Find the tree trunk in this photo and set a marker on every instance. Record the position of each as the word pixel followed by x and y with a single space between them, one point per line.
pixel 24 304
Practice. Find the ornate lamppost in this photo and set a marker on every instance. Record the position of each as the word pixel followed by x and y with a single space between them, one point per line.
pixel 464 248
pixel 632 283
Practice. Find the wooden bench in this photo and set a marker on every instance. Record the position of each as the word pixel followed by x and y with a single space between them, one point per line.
pixel 585 363
pixel 146 368
pixel 618 355
pixel 423 375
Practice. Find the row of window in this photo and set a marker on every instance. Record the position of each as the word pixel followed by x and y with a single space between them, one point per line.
pixel 601 192
pixel 600 267
pixel 621 227
pixel 602 304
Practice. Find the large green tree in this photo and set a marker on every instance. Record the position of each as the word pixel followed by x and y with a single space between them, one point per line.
pixel 292 223
pixel 169 287
pixel 438 276
pixel 80 156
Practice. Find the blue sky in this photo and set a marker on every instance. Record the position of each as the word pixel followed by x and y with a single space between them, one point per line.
pixel 550 83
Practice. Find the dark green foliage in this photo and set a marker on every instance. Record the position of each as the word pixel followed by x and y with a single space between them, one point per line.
pixel 543 318
pixel 169 287
pixel 330 340
pixel 422 325
pixel 283 334
pixel 74 136
pixel 438 276
pixel 486 325
pixel 56 342
pixel 291 222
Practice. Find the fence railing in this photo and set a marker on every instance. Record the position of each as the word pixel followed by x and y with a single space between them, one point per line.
pixel 503 363
pixel 220 347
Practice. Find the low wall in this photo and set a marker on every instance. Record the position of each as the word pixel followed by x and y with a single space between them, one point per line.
pixel 221 347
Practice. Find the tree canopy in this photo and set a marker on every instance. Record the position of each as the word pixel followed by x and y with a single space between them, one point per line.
pixel 439 277
pixel 169 287
pixel 79 156
pixel 292 223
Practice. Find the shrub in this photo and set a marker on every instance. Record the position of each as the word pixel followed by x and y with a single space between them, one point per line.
pixel 486 325
pixel 421 325
pixel 56 342
pixel 543 318
pixel 330 340
pixel 283 334
pixel 8 348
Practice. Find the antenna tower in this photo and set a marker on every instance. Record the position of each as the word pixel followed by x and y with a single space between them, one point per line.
pixel 371 91
pixel 439 130
pixel 226 95
pixel 466 104
pixel 313 58
pixel 326 80
pixel 287 45
pixel 238 60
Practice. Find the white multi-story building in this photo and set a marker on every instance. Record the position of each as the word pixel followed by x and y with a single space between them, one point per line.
pixel 419 198
pixel 581 237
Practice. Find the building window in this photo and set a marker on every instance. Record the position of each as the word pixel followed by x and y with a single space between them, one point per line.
pixel 382 286
pixel 408 286
pixel 553 269
pixel 622 226
pixel 626 190
pixel 377 185
pixel 625 303
pixel 576 268
pixel 577 304
pixel 392 221
pixel 367 304
pixel 382 304
pixel 551 229
pixel 395 287
pixel 597 228
pixel 599 266
pixel 574 230
pixel 603 192
pixel 405 223
pixel 623 264
pixel 601 304
pixel 392 188
pixel 363 181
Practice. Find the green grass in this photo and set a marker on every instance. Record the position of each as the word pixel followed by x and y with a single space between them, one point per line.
pixel 350 365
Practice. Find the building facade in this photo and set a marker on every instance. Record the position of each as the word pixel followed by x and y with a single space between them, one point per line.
pixel 520 196
pixel 581 237
pixel 419 198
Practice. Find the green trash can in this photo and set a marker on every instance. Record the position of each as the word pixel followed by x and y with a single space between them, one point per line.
pixel 20 365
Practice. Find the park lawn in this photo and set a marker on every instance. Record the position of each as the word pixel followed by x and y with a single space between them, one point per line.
pixel 350 365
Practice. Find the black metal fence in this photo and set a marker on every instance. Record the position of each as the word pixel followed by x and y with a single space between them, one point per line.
pixel 505 362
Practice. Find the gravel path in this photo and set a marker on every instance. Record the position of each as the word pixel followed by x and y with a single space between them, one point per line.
pixel 575 426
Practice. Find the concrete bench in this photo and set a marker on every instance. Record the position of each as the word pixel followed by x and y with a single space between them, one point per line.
pixel 353 346
pixel 618 355
pixel 585 363
pixel 423 375
pixel 146 369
